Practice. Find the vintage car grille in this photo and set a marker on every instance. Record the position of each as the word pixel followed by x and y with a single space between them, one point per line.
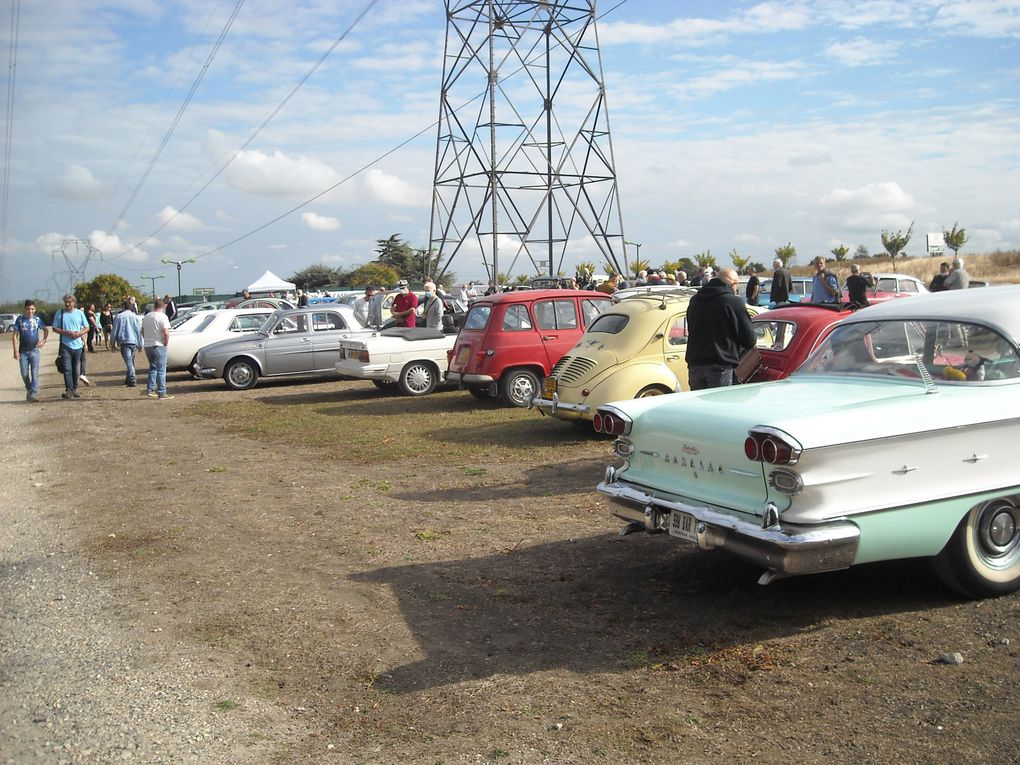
pixel 571 369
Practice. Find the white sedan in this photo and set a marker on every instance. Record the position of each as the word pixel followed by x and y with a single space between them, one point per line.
pixel 412 359
pixel 205 327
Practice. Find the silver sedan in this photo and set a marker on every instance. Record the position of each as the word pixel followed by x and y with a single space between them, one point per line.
pixel 291 342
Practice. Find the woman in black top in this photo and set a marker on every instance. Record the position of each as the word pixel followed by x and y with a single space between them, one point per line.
pixel 106 322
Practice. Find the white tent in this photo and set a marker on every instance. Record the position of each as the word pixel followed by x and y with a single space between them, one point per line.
pixel 270 282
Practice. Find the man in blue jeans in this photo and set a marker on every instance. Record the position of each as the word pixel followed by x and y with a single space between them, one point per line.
pixel 127 335
pixel 718 332
pixel 70 323
pixel 26 342
pixel 155 337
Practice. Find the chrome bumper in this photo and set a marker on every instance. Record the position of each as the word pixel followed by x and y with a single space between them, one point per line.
pixel 554 406
pixel 783 549
pixel 204 372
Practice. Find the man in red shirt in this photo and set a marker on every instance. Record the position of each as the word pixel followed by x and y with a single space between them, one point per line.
pixel 405 305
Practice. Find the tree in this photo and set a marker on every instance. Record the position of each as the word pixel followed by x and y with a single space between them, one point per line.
pixel 787 253
pixel 106 288
pixel 584 271
pixel 861 253
pixel 739 261
pixel 375 274
pixel 895 243
pixel 705 259
pixel 399 255
pixel 955 239
pixel 315 277
pixel 639 265
pixel 758 267
pixel 502 279
pixel 522 279
pixel 839 253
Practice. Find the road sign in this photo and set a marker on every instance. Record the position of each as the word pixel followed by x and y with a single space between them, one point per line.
pixel 203 291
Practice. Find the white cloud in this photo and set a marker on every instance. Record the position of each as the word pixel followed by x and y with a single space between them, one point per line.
pixel 279 174
pixel 862 52
pixel 320 222
pixel 77 182
pixel 391 190
pixel 878 205
pixel 176 220
pixel 742 75
pixel 759 19
pixel 980 18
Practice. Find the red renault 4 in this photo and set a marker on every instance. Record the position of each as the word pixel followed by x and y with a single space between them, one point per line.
pixel 510 341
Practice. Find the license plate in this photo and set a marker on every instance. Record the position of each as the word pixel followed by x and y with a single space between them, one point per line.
pixel 462 355
pixel 683 525
pixel 549 388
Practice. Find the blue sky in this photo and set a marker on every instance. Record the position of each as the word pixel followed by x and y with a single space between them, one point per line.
pixel 735 126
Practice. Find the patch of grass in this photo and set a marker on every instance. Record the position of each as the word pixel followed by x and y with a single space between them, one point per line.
pixel 226 705
pixel 216 470
pixel 427 535
pixel 474 471
pixel 381 429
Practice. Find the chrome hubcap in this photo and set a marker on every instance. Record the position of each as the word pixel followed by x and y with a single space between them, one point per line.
pixel 418 378
pixel 997 531
pixel 522 389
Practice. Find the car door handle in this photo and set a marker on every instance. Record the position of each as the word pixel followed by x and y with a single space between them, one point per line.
pixel 672 358
pixel 548 337
pixel 306 339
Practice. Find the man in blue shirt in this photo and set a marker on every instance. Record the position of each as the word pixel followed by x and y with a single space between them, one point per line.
pixel 70 323
pixel 824 287
pixel 26 342
pixel 127 335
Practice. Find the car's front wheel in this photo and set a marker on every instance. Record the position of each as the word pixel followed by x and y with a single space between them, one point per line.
pixel 519 386
pixel 418 378
pixel 982 559
pixel 241 374
pixel 652 390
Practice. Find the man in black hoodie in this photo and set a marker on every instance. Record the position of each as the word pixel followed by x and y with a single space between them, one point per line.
pixel 718 332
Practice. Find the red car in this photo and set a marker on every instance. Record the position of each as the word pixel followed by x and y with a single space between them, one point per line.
pixel 795 331
pixel 510 341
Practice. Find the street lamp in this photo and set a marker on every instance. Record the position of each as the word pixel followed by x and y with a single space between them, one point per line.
pixel 153 279
pixel 635 244
pixel 179 263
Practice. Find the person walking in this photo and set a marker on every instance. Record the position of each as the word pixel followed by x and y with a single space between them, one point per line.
pixel 91 317
pixel 782 283
pixel 70 323
pixel 169 308
pixel 718 332
pixel 753 289
pixel 106 322
pixel 155 338
pixel 127 335
pixel 26 341
pixel 958 278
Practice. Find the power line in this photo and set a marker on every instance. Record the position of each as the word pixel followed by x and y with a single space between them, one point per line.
pixel 180 113
pixel 276 110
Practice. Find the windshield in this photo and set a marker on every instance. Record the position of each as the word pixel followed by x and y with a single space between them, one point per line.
pixel 951 351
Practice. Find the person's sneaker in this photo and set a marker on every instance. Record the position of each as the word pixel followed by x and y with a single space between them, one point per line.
pixel 152 394
pixel 165 395
pixel 131 383
pixel 32 398
pixel 84 379
pixel 75 393
pixel 66 394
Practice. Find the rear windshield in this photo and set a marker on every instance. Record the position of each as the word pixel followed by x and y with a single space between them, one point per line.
pixel 774 335
pixel 609 323
pixel 478 317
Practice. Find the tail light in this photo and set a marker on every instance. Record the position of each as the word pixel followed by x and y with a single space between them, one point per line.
pixel 772 447
pixel 363 356
pixel 612 423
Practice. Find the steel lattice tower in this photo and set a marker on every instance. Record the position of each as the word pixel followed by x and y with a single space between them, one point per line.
pixel 524 158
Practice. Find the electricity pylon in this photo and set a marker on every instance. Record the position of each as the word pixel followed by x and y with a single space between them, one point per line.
pixel 524 158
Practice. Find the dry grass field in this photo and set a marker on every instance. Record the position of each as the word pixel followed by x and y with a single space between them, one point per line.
pixel 995 267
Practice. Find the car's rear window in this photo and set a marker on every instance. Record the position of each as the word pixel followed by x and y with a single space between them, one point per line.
pixel 205 322
pixel 477 318
pixel 516 319
pixel 774 335
pixel 609 323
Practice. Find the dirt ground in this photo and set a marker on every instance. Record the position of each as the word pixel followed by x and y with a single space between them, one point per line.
pixel 409 610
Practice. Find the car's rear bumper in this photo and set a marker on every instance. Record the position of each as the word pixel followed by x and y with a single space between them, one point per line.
pixel 364 371
pixel 783 549
pixel 556 408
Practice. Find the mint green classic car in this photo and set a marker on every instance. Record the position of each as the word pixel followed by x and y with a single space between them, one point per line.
pixel 897 438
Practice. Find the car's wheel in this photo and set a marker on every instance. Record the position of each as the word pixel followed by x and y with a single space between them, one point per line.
pixel 982 558
pixel 384 384
pixel 518 386
pixel 418 378
pixel 241 374
pixel 652 390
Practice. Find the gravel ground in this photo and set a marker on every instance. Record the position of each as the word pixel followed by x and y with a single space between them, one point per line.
pixel 79 683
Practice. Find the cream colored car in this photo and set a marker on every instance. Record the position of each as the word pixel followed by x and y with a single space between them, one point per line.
pixel 632 350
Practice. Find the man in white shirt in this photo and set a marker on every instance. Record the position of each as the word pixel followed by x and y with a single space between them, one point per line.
pixel 362 304
pixel 155 338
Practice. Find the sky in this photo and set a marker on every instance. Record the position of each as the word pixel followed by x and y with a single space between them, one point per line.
pixel 735 126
